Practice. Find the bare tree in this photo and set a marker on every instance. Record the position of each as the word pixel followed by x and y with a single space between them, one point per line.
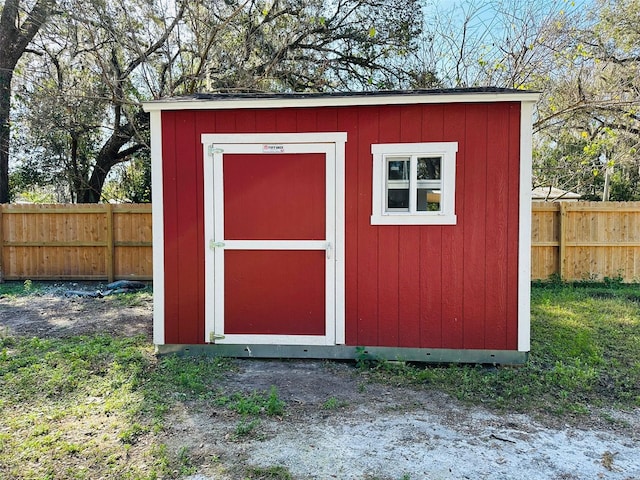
pixel 95 68
pixel 503 43
pixel 588 125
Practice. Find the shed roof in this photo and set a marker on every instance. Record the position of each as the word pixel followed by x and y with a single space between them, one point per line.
pixel 553 194
pixel 226 100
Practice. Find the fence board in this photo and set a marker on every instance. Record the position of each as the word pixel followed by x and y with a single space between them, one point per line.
pixel 576 240
pixel 75 242
pixel 586 240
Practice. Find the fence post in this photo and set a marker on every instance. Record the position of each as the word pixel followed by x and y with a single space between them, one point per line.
pixel 110 244
pixel 562 233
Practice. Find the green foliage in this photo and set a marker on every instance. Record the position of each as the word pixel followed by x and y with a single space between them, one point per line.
pixel 364 359
pixel 115 387
pixel 588 119
pixel 79 115
pixel 18 289
pixel 585 340
pixel 332 403
pixel 269 473
pixel 254 403
pixel 185 464
pixel 130 182
pixel 245 428
pixel 133 299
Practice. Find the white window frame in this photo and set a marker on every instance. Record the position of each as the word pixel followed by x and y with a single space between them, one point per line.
pixel 383 151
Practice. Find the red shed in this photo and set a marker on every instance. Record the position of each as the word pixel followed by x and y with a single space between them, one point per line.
pixel 394 224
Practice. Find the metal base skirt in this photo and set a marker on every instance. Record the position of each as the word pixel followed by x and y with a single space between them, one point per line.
pixel 343 352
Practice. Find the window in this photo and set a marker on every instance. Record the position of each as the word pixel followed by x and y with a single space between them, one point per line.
pixel 414 183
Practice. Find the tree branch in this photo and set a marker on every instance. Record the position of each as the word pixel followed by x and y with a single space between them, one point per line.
pixel 156 45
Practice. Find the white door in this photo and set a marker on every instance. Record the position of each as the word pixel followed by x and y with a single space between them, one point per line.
pixel 274 209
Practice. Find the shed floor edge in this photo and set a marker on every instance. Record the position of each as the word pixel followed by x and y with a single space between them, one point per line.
pixel 343 352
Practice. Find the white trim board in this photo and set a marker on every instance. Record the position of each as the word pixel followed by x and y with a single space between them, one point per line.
pixel 337 101
pixel 157 218
pixel 215 146
pixel 524 218
pixel 243 140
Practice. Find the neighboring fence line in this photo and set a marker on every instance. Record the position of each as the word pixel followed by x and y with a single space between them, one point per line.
pixel 75 242
pixel 573 240
pixel 586 240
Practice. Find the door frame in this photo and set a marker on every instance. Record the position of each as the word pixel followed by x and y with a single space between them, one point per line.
pixel 332 144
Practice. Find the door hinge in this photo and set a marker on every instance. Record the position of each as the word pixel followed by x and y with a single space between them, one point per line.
pixel 212 150
pixel 213 337
pixel 213 244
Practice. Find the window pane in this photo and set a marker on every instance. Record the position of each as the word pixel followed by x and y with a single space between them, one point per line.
pixel 429 168
pixel 398 170
pixel 398 199
pixel 429 200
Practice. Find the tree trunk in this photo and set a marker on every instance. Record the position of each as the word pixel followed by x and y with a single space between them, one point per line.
pixel 93 191
pixel 110 155
pixel 16 32
pixel 5 108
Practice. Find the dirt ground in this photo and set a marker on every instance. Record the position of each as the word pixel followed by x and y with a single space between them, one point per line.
pixel 339 425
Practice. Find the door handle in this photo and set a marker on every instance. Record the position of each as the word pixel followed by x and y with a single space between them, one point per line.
pixel 329 250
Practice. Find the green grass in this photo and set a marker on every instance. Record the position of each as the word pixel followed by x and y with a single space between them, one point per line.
pixel 77 407
pixel 254 403
pixel 126 299
pixel 94 406
pixel 332 403
pixel 133 299
pixel 585 352
pixel 268 473
pixel 20 289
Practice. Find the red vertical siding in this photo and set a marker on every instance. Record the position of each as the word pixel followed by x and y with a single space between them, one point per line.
pixel 431 260
pixel 475 187
pixel 286 121
pixel 203 124
pixel 348 122
pixel 429 286
pixel 184 284
pixel 171 247
pixel 388 247
pixel 496 216
pixel 366 253
pixel 225 121
pixel 453 237
pixel 409 266
pixel 245 121
pixel 306 119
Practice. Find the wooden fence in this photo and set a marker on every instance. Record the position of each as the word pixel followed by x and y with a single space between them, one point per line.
pixel 574 240
pixel 586 240
pixel 79 242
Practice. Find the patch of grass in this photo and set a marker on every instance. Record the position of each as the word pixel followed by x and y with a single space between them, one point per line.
pixel 332 403
pixel 184 463
pixel 20 289
pixel 246 428
pixel 133 299
pixel 79 407
pixel 269 473
pixel 584 353
pixel 254 403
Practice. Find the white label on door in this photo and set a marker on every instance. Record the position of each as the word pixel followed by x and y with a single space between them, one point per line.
pixel 273 148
